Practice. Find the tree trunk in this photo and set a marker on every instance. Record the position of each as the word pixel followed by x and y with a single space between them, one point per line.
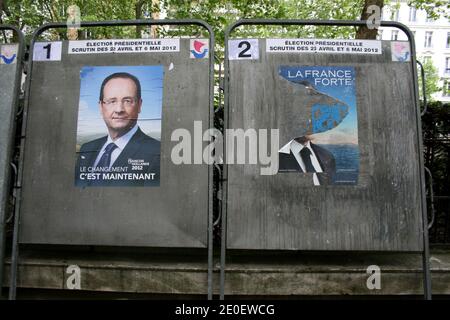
pixel 16 20
pixel 363 31
pixel 138 10
pixel 4 7
pixel 155 16
pixel 1 22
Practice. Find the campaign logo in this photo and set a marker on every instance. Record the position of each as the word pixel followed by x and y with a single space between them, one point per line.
pixel 199 48
pixel 8 54
pixel 400 51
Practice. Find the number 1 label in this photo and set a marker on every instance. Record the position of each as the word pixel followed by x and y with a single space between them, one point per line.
pixel 243 49
pixel 47 51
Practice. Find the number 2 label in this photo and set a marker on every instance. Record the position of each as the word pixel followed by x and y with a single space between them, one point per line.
pixel 47 51
pixel 243 49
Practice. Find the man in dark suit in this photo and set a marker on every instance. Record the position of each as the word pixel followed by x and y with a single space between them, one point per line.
pixel 301 155
pixel 126 156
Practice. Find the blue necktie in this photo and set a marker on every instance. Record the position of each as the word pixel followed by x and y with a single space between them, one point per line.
pixel 105 160
pixel 305 153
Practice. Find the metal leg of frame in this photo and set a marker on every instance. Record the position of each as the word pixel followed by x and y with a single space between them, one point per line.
pixel 223 232
pixel 426 252
pixel 210 247
pixel 426 247
pixel 210 259
pixel 223 257
pixel 14 260
pixel 426 266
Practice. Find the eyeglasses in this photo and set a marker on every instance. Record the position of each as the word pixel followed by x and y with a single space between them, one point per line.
pixel 127 102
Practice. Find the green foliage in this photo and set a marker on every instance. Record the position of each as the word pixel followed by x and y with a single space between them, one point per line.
pixel 436 142
pixel 28 15
pixel 434 8
pixel 431 79
pixel 436 138
pixel 220 14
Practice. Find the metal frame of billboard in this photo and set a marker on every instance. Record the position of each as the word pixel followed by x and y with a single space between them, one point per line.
pixel 15 101
pixel 337 23
pixel 119 23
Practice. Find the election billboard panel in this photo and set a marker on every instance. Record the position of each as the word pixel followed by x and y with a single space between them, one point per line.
pixel 340 168
pixel 98 154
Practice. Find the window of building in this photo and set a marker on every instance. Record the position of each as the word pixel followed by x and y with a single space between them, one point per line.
pixel 395 15
pixel 448 40
pixel 394 35
pixel 446 89
pixel 412 14
pixel 447 65
pixel 428 39
pixel 87 34
pixel 426 59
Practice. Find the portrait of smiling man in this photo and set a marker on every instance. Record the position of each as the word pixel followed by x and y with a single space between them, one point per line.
pixel 126 156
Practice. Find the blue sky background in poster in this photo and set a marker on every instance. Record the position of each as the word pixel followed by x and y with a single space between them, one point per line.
pixel 90 122
pixel 342 140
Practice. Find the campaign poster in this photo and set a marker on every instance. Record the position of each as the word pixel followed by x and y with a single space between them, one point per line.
pixel 119 126
pixel 325 144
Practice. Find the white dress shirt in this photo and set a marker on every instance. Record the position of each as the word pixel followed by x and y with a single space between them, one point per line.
pixel 120 143
pixel 296 147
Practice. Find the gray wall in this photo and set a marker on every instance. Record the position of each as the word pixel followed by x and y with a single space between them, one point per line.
pixel 382 212
pixel 54 211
